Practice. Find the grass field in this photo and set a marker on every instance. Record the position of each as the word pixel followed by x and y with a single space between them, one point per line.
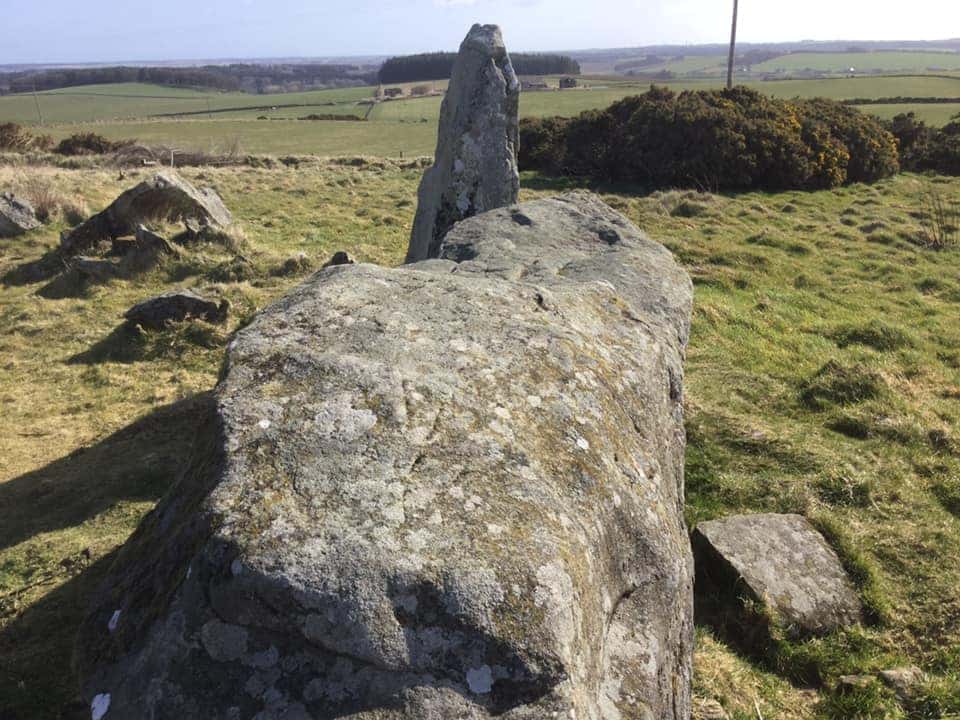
pixel 793 291
pixel 936 115
pixel 863 62
pixel 275 137
pixel 573 102
pixel 699 64
pixel 132 100
pixel 406 126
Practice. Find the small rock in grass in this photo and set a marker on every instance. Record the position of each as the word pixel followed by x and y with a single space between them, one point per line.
pixel 339 258
pixel 780 561
pixel 903 681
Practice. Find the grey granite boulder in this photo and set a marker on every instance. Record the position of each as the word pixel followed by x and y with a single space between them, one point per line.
pixel 448 490
pixel 781 561
pixel 157 312
pixel 165 196
pixel 475 164
pixel 16 216
pixel 904 681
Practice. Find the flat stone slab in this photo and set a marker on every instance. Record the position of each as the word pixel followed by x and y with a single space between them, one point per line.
pixel 782 561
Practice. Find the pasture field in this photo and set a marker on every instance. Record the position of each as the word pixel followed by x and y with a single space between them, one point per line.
pixel 600 95
pixel 698 64
pixel 937 115
pixel 796 293
pixel 406 126
pixel 863 62
pixel 94 103
pixel 273 137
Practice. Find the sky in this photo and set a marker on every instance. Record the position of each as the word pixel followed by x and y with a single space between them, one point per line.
pixel 64 31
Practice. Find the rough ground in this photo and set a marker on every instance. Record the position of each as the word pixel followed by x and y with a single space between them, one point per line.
pixel 823 378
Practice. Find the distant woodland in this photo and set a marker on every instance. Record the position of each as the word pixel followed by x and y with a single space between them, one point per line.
pixel 438 66
pixel 259 79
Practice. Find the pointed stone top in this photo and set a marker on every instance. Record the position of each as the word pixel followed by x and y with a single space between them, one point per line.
pixel 485 38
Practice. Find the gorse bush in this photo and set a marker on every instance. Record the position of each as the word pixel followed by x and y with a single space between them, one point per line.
pixel 89 144
pixel 733 139
pixel 926 148
pixel 14 138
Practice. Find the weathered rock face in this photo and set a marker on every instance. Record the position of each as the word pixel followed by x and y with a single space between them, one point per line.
pixel 475 166
pixel 782 561
pixel 449 490
pixel 166 196
pixel 156 312
pixel 16 216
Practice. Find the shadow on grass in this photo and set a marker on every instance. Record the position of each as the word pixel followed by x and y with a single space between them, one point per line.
pixel 128 343
pixel 37 677
pixel 561 183
pixel 35 271
pixel 138 462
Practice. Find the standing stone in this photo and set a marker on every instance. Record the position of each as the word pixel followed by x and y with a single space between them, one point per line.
pixel 451 490
pixel 16 216
pixel 781 561
pixel 475 166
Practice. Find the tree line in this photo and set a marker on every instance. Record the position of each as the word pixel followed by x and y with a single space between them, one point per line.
pixel 439 66
pixel 261 79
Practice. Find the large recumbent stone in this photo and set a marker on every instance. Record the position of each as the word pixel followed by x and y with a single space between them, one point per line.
pixel 449 490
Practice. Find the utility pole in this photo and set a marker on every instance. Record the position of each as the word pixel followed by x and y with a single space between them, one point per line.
pixel 36 101
pixel 733 47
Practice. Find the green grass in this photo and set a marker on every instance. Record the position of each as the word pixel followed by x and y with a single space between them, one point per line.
pixel 699 64
pixel 863 62
pixel 823 377
pixel 936 115
pixel 601 95
pixel 277 137
pixel 406 126
pixel 94 103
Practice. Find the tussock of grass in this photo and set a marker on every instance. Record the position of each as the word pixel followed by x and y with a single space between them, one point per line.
pixel 862 571
pixel 877 334
pixel 872 702
pixel 838 384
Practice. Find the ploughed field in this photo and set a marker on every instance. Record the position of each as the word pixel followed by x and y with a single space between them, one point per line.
pixel 214 122
pixel 823 377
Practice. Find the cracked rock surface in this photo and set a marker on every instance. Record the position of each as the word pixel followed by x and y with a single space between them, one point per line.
pixel 448 490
